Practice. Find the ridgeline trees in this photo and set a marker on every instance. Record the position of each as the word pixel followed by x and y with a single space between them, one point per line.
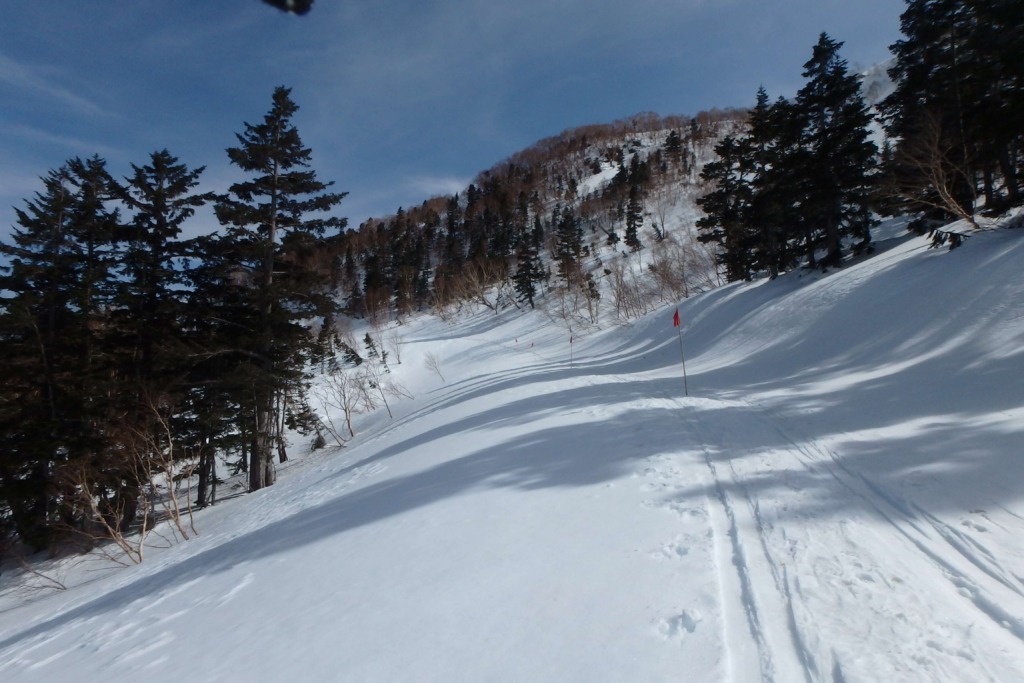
pixel 509 230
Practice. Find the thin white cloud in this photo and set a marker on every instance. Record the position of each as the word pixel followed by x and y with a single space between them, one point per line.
pixel 34 79
pixel 87 147
pixel 17 184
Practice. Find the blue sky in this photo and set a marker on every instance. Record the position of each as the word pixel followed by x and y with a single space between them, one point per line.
pixel 399 100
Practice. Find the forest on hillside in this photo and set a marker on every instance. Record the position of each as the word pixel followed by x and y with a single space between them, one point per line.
pixel 137 359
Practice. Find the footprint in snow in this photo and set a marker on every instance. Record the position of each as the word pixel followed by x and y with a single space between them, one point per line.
pixel 677 627
pixel 672 551
pixel 686 511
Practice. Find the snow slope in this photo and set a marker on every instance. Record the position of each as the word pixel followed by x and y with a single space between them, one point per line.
pixel 839 498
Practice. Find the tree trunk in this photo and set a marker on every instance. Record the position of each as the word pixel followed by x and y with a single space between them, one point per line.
pixel 282 453
pixel 261 466
pixel 261 469
pixel 1009 172
pixel 834 256
pixel 207 475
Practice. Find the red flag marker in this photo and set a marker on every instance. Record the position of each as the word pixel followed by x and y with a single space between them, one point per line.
pixel 675 319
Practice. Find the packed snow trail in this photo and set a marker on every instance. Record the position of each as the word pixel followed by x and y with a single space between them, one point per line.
pixel 514 534
pixel 882 591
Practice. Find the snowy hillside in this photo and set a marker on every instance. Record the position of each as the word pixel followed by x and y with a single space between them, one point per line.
pixel 876 84
pixel 838 498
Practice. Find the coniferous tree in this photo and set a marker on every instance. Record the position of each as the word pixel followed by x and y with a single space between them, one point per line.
pixel 453 253
pixel 529 272
pixel 455 241
pixel 727 206
pixel 150 293
pixel 156 351
pixel 634 218
pixel 997 52
pixel 61 385
pixel 216 412
pixel 36 353
pixel 568 244
pixel 674 145
pixel 803 172
pixel 955 113
pixel 771 210
pixel 96 460
pixel 838 174
pixel 274 221
pixel 779 196
pixel 928 111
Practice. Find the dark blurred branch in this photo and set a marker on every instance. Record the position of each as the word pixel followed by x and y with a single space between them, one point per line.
pixel 293 6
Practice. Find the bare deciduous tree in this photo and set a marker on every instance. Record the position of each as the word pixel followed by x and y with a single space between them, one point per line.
pixel 433 364
pixel 665 198
pixel 378 379
pixel 345 391
pixel 150 466
pixel 629 294
pixel 393 341
pixel 34 579
pixel 945 166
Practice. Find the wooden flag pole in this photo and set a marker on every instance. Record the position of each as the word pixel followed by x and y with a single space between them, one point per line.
pixel 677 325
pixel 686 389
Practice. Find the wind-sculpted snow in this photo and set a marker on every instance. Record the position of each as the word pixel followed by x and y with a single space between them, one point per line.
pixel 840 498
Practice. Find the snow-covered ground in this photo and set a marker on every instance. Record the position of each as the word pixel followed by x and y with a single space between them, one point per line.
pixel 839 498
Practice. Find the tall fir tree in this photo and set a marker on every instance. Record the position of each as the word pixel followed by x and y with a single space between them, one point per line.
pixel 928 111
pixel 727 206
pixel 568 245
pixel 150 294
pixel 634 217
pixel 216 412
pixel 157 348
pixel 529 271
pixel 274 222
pixel 773 144
pixel 838 178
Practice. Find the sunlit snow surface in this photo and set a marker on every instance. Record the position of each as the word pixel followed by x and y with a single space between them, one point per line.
pixel 840 498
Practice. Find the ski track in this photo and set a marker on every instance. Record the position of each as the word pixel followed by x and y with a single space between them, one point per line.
pixel 880 590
